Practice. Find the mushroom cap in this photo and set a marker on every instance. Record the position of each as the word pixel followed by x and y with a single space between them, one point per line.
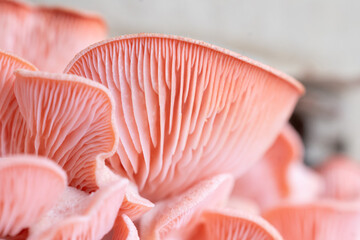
pixel 29 187
pixel 124 229
pixel 342 178
pixel 12 128
pixel 134 206
pixel 330 220
pixel 226 224
pixel 186 110
pixel 178 216
pixel 81 216
pixel 280 175
pixel 47 36
pixel 70 120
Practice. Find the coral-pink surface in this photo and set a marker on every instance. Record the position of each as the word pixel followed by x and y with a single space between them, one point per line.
pixel 152 136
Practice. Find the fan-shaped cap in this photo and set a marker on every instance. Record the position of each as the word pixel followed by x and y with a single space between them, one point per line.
pixel 225 224
pixel 29 186
pixel 181 213
pixel 70 120
pixel 11 122
pixel 124 229
pixel 184 104
pixel 280 175
pixel 328 220
pixel 342 178
pixel 47 36
pixel 82 216
pixel 134 205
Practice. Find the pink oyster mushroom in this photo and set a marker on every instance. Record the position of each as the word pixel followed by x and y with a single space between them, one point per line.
pixel 69 120
pixel 330 220
pixel 47 36
pixel 186 110
pixel 342 178
pixel 186 199
pixel 280 175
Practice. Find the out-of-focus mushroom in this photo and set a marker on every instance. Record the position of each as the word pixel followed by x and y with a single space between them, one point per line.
pixel 29 186
pixel 280 175
pixel 342 178
pixel 47 36
pixel 186 110
pixel 330 220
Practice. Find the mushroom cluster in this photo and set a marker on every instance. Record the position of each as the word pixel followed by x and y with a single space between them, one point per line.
pixel 152 136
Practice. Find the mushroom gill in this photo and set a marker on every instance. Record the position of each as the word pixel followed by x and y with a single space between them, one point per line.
pixel 124 229
pixel 226 224
pixel 12 125
pixel 69 119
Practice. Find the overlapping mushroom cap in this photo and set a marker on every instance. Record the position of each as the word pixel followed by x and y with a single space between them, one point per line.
pixel 30 186
pixel 69 120
pixel 36 204
pixel 342 178
pixel 79 215
pixel 186 110
pixel 178 216
pixel 200 213
pixel 66 118
pixel 280 175
pixel 47 36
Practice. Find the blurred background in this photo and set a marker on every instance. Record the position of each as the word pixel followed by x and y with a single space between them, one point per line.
pixel 317 42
